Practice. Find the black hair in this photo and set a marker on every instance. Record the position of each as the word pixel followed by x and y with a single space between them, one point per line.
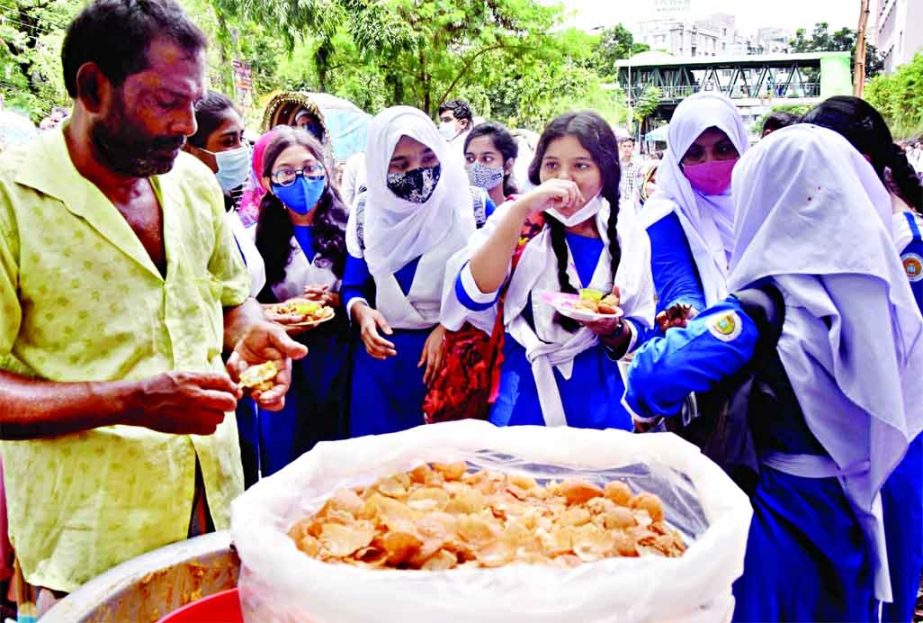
pixel 778 120
pixel 274 229
pixel 460 109
pixel 209 113
pixel 596 137
pixel 116 34
pixel 864 127
pixel 505 144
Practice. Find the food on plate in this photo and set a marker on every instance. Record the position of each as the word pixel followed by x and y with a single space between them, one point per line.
pixel 440 516
pixel 311 311
pixel 259 377
pixel 595 302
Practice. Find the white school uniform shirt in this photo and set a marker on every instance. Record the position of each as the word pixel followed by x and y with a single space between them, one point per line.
pixel 252 258
pixel 299 272
pixel 549 346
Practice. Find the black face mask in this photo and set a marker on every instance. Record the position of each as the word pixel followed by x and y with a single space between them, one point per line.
pixel 415 186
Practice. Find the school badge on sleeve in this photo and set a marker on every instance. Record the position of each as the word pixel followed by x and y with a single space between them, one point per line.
pixel 913 266
pixel 726 327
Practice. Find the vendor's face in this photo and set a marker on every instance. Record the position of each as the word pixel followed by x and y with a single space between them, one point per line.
pixel 712 144
pixel 410 154
pixel 566 159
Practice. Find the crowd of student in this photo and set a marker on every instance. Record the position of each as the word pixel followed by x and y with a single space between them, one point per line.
pixel 786 274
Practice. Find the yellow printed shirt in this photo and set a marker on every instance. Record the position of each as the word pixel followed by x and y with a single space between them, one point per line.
pixel 81 300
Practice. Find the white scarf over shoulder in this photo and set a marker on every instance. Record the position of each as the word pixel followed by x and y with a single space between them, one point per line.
pixel 813 217
pixel 549 346
pixel 707 220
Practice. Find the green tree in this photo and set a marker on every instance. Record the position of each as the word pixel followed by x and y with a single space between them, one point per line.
pixel 899 98
pixel 616 43
pixel 843 40
pixel 425 51
pixel 31 32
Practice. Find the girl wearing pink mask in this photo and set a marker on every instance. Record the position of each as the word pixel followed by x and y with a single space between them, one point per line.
pixel 690 219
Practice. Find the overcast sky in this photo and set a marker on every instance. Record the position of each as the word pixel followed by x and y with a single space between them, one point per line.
pixel 750 14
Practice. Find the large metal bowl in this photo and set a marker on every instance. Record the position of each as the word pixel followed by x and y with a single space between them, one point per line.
pixel 151 586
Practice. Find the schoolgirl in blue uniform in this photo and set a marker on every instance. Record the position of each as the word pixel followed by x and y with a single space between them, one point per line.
pixel 902 496
pixel 301 235
pixel 690 218
pixel 813 225
pixel 555 371
pixel 416 214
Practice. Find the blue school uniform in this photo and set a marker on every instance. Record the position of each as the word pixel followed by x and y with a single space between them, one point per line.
pixel 902 495
pixel 315 404
pixel 676 278
pixel 807 558
pixel 385 396
pixel 591 398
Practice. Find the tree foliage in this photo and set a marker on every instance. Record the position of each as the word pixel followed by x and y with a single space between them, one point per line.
pixel 31 32
pixel 616 43
pixel 647 103
pixel 843 40
pixel 511 58
pixel 899 98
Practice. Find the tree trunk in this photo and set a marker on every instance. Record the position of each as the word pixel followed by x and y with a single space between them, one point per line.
pixel 859 73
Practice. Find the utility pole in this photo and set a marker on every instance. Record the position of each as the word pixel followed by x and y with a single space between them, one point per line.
pixel 859 68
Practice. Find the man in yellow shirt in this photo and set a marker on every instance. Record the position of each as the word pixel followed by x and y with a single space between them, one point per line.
pixel 120 286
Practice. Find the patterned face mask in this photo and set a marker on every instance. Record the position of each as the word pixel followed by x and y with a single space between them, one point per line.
pixel 483 176
pixel 415 186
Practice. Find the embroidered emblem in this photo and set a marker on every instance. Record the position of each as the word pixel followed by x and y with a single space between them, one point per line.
pixel 726 327
pixel 913 266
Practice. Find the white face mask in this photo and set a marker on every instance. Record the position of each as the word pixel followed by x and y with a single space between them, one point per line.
pixel 448 130
pixel 233 167
pixel 592 207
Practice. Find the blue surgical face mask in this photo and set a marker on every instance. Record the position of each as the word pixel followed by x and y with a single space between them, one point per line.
pixel 302 195
pixel 233 167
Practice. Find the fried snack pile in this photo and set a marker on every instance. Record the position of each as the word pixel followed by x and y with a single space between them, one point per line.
pixel 311 310
pixel 259 377
pixel 439 517
pixel 593 301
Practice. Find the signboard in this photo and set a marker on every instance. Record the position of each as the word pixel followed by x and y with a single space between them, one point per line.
pixel 243 83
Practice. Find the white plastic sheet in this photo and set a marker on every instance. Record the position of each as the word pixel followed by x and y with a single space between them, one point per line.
pixel 280 584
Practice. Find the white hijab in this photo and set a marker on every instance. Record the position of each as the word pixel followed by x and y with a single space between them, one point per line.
pixel 813 217
pixel 708 221
pixel 398 231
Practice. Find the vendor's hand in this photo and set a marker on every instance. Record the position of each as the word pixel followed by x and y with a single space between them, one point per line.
pixel 182 403
pixel 370 322
pixel 562 195
pixel 322 295
pixel 433 354
pixel 265 341
pixel 605 327
pixel 675 317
